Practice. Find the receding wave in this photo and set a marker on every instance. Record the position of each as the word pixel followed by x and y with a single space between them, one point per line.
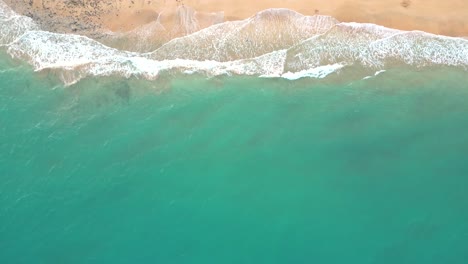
pixel 267 31
pixel 273 43
pixel 377 47
pixel 153 35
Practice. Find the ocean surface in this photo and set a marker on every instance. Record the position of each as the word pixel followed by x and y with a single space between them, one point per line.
pixel 317 148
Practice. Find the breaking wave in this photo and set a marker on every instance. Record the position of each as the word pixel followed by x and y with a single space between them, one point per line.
pixel 273 43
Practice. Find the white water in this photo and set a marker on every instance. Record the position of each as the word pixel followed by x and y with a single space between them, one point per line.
pixel 273 43
pixel 13 25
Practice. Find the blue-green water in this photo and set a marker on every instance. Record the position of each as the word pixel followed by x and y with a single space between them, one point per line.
pixel 234 170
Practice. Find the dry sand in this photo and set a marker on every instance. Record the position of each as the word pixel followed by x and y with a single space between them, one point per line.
pixel 446 17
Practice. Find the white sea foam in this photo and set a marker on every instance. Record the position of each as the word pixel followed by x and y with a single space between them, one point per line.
pixel 375 74
pixel 273 43
pixel 6 11
pixel 268 31
pixel 319 72
pixel 13 25
pixel 377 47
pixel 53 50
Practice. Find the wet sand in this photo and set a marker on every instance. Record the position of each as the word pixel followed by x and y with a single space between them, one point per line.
pixel 448 17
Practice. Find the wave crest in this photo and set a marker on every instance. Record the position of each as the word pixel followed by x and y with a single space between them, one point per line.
pixel 273 43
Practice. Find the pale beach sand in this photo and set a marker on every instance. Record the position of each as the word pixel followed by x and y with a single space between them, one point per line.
pixel 448 17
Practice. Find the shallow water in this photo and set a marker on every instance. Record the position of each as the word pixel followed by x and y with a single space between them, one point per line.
pixel 234 169
pixel 214 148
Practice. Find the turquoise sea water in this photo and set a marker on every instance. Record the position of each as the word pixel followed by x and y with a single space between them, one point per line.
pixel 234 169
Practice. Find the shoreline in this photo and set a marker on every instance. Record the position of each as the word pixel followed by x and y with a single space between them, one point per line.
pixel 277 42
pixel 446 18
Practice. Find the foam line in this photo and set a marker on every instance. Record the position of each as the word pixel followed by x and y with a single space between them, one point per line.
pixel 273 43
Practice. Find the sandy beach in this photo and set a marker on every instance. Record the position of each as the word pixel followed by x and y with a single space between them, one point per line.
pixel 447 17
